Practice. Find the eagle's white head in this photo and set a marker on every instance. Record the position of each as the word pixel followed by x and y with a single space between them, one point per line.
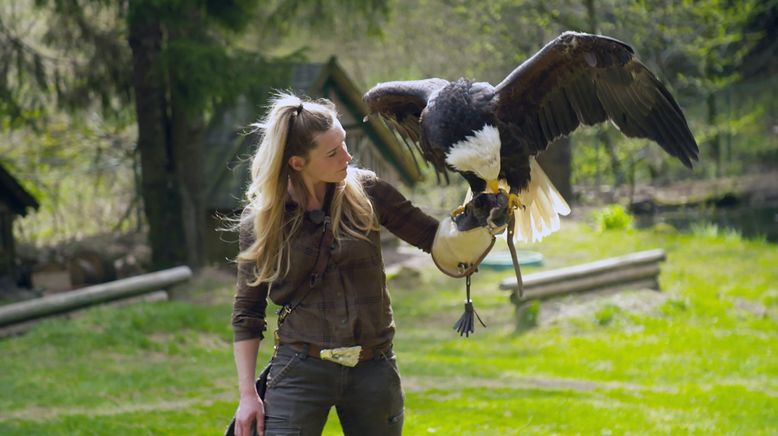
pixel 478 153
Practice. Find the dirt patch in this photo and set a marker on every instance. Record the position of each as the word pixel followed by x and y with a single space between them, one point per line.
pixel 211 285
pixel 588 305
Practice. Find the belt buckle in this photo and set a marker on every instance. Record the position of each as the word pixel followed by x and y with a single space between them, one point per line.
pixel 346 356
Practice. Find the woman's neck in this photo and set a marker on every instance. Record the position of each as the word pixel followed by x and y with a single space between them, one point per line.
pixel 314 193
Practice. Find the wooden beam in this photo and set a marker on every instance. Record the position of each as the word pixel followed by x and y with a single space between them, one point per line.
pixel 641 268
pixel 92 295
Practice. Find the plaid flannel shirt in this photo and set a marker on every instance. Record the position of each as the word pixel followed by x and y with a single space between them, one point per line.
pixel 351 305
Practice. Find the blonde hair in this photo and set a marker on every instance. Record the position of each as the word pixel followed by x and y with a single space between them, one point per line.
pixel 290 128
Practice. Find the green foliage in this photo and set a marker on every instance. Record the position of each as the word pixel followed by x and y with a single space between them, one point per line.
pixel 694 47
pixel 63 55
pixel 203 75
pixel 70 59
pixel 713 231
pixel 82 174
pixel 73 55
pixel 325 15
pixel 612 217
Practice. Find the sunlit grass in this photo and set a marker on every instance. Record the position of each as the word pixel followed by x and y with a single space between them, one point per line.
pixel 703 361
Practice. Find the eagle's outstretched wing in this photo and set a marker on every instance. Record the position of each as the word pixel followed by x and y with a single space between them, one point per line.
pixel 585 79
pixel 401 104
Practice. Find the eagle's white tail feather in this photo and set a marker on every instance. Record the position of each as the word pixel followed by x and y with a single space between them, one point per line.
pixel 544 204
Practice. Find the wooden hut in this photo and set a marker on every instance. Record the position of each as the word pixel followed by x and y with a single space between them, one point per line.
pixel 14 201
pixel 228 149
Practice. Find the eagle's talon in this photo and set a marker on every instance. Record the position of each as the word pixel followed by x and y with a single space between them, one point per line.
pixel 514 202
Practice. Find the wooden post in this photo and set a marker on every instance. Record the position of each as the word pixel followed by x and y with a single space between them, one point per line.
pixel 104 292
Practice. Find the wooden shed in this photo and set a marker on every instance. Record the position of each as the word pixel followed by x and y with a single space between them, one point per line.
pixel 14 201
pixel 228 149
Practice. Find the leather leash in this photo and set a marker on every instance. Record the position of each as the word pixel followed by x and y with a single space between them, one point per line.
pixel 514 256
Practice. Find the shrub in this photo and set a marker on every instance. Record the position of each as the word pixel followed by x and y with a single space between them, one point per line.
pixel 612 217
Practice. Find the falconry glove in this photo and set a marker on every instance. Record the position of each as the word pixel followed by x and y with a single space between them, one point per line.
pixel 463 241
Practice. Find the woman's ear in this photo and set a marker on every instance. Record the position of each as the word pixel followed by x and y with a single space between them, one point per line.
pixel 297 163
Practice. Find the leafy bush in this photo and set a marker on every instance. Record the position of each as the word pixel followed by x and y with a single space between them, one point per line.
pixel 613 217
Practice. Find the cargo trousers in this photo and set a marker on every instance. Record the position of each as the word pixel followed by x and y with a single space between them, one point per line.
pixel 301 390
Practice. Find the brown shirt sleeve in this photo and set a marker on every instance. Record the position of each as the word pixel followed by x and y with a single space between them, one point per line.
pixel 400 216
pixel 250 303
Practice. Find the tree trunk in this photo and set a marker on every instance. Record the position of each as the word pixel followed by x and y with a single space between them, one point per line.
pixel 715 141
pixel 187 143
pixel 186 138
pixel 159 186
pixel 610 150
pixel 591 17
pixel 556 162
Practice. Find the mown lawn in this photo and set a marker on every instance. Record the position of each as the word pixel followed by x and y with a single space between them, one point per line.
pixel 704 362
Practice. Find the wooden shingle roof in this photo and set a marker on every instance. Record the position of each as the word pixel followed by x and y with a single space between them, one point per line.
pixel 228 148
pixel 14 195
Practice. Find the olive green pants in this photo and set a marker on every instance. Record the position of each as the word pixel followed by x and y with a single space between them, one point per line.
pixel 301 390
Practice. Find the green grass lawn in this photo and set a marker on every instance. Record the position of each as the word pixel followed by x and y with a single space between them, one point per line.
pixel 704 362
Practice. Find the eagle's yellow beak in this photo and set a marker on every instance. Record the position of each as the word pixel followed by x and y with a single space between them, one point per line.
pixel 493 186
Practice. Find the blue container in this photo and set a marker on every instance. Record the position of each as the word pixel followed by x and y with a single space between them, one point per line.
pixel 500 260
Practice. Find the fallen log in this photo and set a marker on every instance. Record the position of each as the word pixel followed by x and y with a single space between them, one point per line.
pixel 92 295
pixel 639 269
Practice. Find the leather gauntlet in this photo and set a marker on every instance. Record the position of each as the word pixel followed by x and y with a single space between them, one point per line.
pixel 462 242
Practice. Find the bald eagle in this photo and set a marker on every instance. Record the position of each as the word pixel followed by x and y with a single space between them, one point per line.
pixel 491 134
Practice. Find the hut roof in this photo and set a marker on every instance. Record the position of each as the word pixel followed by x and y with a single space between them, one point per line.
pixel 14 195
pixel 228 149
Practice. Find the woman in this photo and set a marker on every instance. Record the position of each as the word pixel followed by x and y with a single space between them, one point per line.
pixel 334 347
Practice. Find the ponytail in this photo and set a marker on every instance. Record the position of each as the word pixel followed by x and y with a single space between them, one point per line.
pixel 289 129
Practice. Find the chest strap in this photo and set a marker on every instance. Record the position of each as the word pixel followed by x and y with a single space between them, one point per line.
pixel 322 258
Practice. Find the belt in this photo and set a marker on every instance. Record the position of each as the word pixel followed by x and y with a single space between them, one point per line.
pixel 312 350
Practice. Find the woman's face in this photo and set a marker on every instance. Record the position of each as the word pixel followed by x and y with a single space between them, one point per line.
pixel 328 160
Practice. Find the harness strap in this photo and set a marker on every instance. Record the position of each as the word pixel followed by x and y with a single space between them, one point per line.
pixel 322 258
